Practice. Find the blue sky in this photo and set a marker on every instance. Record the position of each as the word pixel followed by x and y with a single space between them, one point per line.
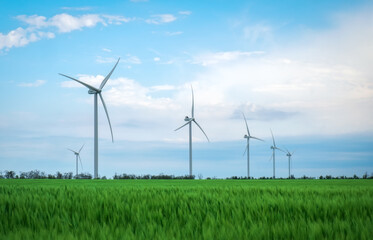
pixel 301 68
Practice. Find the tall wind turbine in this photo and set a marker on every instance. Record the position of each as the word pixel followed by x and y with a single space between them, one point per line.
pixel 288 154
pixel 189 121
pixel 274 147
pixel 77 155
pixel 95 92
pixel 247 149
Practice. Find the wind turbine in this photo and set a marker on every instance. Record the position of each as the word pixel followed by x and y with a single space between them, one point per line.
pixel 248 136
pixel 95 92
pixel 288 154
pixel 189 121
pixel 274 147
pixel 77 155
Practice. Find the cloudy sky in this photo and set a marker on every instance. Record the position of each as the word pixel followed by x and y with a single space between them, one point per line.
pixel 301 68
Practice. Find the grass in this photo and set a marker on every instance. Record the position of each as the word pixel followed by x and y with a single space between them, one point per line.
pixel 186 209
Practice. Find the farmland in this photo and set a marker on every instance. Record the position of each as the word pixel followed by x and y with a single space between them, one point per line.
pixel 186 209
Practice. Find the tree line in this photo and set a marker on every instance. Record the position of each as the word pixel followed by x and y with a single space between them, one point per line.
pixel 36 174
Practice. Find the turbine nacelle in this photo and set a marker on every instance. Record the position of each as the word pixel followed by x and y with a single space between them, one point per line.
pixel 272 147
pixel 188 119
pixel 90 91
pixel 246 136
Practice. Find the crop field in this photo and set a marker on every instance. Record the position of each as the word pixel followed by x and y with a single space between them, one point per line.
pixel 186 209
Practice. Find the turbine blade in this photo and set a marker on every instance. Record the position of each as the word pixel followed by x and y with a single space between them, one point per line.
pixel 85 84
pixel 108 76
pixel 192 101
pixel 257 138
pixel 183 125
pixel 107 115
pixel 81 164
pixel 280 149
pixel 287 150
pixel 244 151
pixel 81 148
pixel 247 128
pixel 273 139
pixel 201 129
pixel 292 153
pixel 270 158
pixel 71 150
pixel 247 147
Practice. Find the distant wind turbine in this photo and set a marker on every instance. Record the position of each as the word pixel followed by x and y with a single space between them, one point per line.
pixel 77 155
pixel 289 159
pixel 274 147
pixel 97 91
pixel 247 149
pixel 189 121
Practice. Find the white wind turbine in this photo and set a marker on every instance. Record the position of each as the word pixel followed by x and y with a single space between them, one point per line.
pixel 247 149
pixel 77 155
pixel 95 92
pixel 274 147
pixel 189 121
pixel 288 154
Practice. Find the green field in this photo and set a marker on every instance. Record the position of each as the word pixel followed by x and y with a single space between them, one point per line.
pixel 186 209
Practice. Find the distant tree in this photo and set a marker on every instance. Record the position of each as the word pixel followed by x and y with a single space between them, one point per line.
pixel 68 175
pixel 321 177
pixel 1 175
pixel 51 176
pixel 59 175
pixel 365 176
pixel 104 178
pixel 10 174
pixel 328 177
pixel 355 176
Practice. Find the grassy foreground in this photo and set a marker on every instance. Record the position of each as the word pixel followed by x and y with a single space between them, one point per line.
pixel 186 209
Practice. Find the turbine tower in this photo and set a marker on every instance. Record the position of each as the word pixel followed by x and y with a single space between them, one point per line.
pixel 288 154
pixel 274 147
pixel 77 155
pixel 189 121
pixel 247 149
pixel 95 92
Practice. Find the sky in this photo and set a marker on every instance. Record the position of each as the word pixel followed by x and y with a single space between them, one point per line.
pixel 300 68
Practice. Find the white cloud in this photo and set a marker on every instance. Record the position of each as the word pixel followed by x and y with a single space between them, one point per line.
pixel 100 59
pixel 110 19
pixel 33 20
pixel 174 33
pixel 257 32
pixel 63 23
pixel 67 23
pixel 185 12
pixel 106 50
pixel 219 57
pixel 37 83
pixel 132 59
pixel 157 59
pixel 161 18
pixel 21 37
